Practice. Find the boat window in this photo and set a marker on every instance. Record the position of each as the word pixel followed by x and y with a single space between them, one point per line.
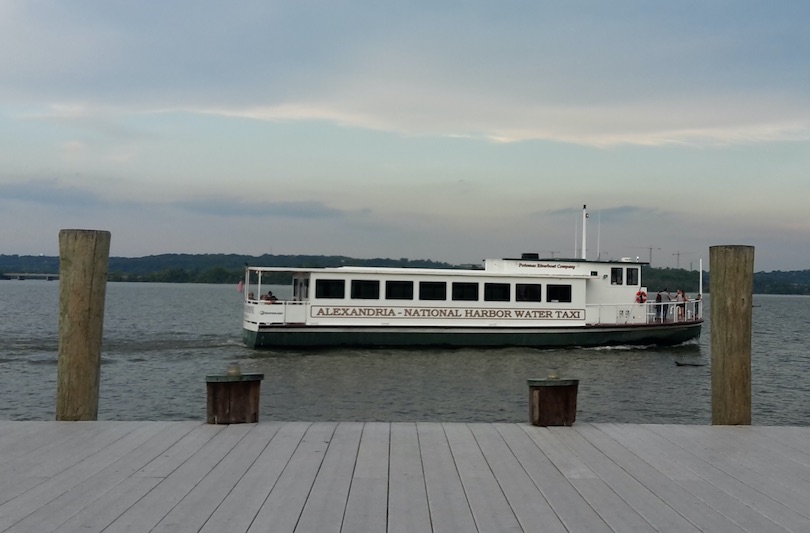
pixel 432 290
pixel 465 291
pixel 330 288
pixel 558 293
pixel 632 276
pixel 616 275
pixel 365 289
pixel 497 292
pixel 528 292
pixel 399 290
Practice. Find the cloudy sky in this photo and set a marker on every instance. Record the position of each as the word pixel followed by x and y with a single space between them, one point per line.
pixel 453 130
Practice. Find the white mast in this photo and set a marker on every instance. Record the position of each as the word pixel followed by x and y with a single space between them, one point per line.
pixel 584 217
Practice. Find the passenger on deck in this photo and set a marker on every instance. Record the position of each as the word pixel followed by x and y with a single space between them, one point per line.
pixel 681 304
pixel 658 307
pixel 270 297
pixel 666 298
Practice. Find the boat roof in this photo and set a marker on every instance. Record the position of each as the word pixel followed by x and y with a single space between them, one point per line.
pixel 492 267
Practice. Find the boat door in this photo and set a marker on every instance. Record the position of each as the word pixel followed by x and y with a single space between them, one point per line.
pixel 300 289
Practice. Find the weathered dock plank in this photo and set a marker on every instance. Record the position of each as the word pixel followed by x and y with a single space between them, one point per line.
pixel 112 467
pixel 487 501
pixel 569 505
pixel 282 509
pixel 661 476
pixel 708 483
pixel 194 510
pixel 526 501
pixel 401 477
pixel 367 506
pixel 649 506
pixel 63 468
pixel 158 504
pixel 763 494
pixel 326 504
pixel 449 509
pixel 239 509
pixel 408 510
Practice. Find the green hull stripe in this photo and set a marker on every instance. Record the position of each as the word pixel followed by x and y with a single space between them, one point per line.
pixel 587 337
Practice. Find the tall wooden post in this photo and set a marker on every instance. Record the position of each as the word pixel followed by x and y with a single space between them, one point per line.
pixel 83 262
pixel 732 283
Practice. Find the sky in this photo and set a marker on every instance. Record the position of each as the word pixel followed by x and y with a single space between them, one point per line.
pixel 452 131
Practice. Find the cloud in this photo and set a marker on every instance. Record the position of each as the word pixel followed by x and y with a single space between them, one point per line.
pixel 235 207
pixel 633 76
pixel 55 193
pixel 51 193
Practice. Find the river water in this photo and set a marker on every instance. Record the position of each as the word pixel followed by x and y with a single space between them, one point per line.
pixel 161 340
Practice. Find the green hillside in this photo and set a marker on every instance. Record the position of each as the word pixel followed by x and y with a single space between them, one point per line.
pixel 229 268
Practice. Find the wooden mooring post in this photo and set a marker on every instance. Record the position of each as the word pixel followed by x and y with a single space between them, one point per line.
pixel 732 283
pixel 83 263
pixel 553 401
pixel 233 398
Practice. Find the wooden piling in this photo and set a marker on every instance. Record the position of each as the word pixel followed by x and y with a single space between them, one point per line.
pixel 233 399
pixel 83 264
pixel 553 401
pixel 732 282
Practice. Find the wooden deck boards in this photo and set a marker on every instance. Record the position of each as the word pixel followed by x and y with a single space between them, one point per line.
pixel 401 477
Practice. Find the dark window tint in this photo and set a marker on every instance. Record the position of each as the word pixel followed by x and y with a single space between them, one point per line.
pixel 432 290
pixel 465 291
pixel 632 276
pixel 558 293
pixel 616 277
pixel 365 289
pixel 496 292
pixel 399 290
pixel 330 288
pixel 528 292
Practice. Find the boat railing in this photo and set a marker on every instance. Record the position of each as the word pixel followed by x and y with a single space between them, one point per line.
pixel 296 312
pixel 646 313
pixel 280 311
pixel 668 312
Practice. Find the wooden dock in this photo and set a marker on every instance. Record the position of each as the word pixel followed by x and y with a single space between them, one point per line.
pixel 401 477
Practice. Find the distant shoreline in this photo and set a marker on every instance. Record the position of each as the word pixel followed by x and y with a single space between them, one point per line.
pixel 229 268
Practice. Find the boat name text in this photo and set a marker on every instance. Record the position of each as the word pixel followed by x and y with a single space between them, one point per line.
pixel 429 312
pixel 546 265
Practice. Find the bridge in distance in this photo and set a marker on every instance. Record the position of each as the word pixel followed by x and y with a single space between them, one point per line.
pixel 28 275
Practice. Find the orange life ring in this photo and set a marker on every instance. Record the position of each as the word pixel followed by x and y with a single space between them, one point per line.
pixel 641 297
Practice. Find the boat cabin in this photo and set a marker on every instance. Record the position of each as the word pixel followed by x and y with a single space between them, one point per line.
pixel 562 292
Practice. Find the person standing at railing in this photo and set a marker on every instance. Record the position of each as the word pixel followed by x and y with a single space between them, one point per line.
pixel 666 299
pixel 658 307
pixel 680 298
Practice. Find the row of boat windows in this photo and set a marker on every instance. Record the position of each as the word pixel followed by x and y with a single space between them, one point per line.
pixel 362 289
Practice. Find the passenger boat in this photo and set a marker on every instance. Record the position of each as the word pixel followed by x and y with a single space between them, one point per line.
pixel 527 301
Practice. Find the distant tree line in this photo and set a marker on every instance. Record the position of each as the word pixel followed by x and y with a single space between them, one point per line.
pixel 229 268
